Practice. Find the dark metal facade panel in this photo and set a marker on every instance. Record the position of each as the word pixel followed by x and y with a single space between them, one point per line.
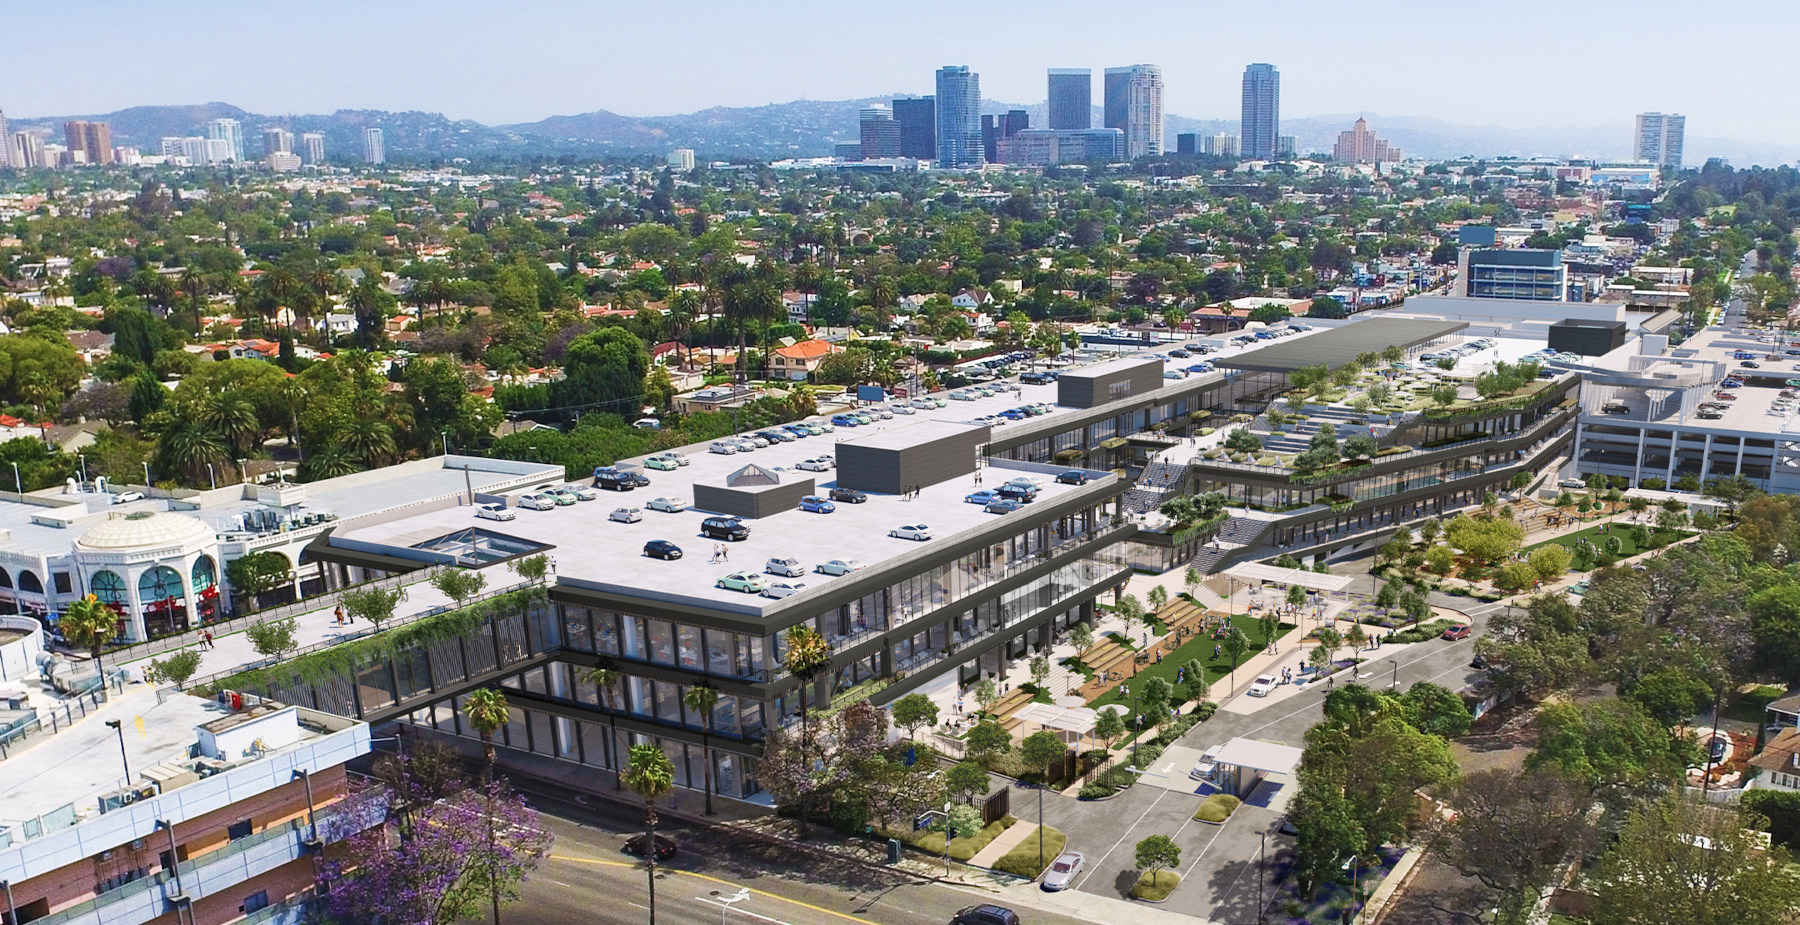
pixel 751 503
pixel 1111 382
pixel 895 470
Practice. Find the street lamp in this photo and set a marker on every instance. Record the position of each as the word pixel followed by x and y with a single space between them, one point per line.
pixel 118 726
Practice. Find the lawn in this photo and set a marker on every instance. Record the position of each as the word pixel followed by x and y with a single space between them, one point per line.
pixel 1200 647
pixel 1157 886
pixel 1024 861
pixel 1622 531
pixel 961 849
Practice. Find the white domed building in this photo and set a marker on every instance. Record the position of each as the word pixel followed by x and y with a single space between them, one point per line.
pixel 158 570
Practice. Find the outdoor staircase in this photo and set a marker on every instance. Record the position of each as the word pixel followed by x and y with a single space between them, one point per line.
pixel 1158 482
pixel 1239 532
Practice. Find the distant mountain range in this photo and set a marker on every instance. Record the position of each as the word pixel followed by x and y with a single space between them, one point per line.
pixel 806 128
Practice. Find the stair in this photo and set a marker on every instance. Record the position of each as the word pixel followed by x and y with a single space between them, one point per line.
pixel 1155 484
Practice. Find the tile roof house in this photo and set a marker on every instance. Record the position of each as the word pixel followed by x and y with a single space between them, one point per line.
pixel 1778 764
pixel 801 359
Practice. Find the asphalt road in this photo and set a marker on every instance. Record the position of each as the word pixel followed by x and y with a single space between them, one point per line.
pixel 588 878
pixel 1220 864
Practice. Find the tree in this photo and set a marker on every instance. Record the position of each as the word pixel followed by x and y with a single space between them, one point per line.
pixel 1158 597
pixel 1685 860
pixel 703 699
pixel 987 693
pixel 177 667
pixel 1154 699
pixel 1436 710
pixel 375 605
pixel 807 654
pixel 258 573
pixel 606 678
pixel 273 639
pixel 1613 747
pixel 1731 489
pixel 603 371
pixel 1109 725
pixel 487 713
pixel 1781 808
pixel 1040 670
pixel 1157 852
pixel 1429 530
pixel 1439 559
pixel 530 568
pixel 1361 446
pixel 965 781
pixel 1443 395
pixel 1515 576
pixel 1193 674
pixel 1042 750
pixel 1511 831
pixel 1671 695
pixel 1235 645
pixel 1129 611
pixel 1550 561
pixel 1081 636
pixel 1192 579
pixel 913 712
pixel 1356 636
pixel 459 584
pixel 988 739
pixel 91 625
pixel 651 777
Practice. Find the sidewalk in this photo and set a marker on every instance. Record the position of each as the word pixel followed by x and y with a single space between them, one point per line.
pixel 1012 838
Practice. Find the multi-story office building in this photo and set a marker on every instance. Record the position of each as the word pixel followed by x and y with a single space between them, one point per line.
pixel 1359 145
pixel 277 141
pixel 1134 105
pixel 284 162
pixel 91 140
pixel 1223 144
pixel 1659 138
pixel 958 117
pixel 681 159
pixel 1049 147
pixel 1285 146
pixel 1519 273
pixel 374 146
pixel 1262 112
pixel 994 128
pixel 312 148
pixel 28 151
pixel 918 127
pixel 880 134
pixel 232 133
pixel 1187 143
pixel 1071 101
pixel 6 155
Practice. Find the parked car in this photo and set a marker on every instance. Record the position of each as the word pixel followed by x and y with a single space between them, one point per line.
pixel 985 914
pixel 661 462
pixel 813 465
pixel 1263 685
pixel 562 496
pixel 917 532
pixel 1064 870
pixel 535 502
pixel 582 492
pixel 1019 493
pixel 1002 506
pixel 723 448
pixel 1571 483
pixel 985 496
pixel 776 436
pixel 724 528
pixel 779 589
pixel 680 460
pixel 1073 477
pixel 817 505
pixel 786 566
pixel 495 512
pixel 849 495
pixel 839 567
pixel 1459 631
pixel 626 515
pixel 845 420
pixel 614 481
pixel 667 505
pixel 902 409
pixel 636 479
pixel 662 549
pixel 747 582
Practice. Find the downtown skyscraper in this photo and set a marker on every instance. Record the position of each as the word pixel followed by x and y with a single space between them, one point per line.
pixel 1659 138
pixel 230 132
pixel 958 117
pixel 374 146
pixel 1262 112
pixel 1134 105
pixel 6 143
pixel 1071 98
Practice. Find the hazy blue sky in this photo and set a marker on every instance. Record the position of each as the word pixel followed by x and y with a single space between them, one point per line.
pixel 1520 63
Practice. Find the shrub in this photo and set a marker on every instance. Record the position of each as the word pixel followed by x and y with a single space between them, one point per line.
pixel 1156 885
pixel 1217 808
pixel 1024 860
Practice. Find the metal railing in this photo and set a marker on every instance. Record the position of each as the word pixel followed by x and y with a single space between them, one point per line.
pixel 57 717
pixel 1556 418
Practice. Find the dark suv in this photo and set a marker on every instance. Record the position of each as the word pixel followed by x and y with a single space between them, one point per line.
pixel 848 495
pixel 614 481
pixel 724 528
pixel 986 914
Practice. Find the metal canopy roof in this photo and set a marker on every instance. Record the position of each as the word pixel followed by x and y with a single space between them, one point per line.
pixel 1280 575
pixel 1079 720
pixel 1270 757
pixel 1339 346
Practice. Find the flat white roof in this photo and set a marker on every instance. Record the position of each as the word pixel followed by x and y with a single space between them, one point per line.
pixel 1271 757
pixel 1079 720
pixel 1276 574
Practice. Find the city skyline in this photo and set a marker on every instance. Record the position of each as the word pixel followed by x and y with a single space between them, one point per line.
pixel 1430 78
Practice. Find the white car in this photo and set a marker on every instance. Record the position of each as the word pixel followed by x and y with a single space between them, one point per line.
pixel 902 409
pixel 1064 870
pixel 667 505
pixel 583 492
pixel 839 567
pixel 126 497
pixel 626 515
pixel 911 532
pixel 537 502
pixel 1208 763
pixel 495 512
pixel 783 588
pixel 1263 685
pixel 722 448
pixel 677 458
pixel 923 402
pixel 814 465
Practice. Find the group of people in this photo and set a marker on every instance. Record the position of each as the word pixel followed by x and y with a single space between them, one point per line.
pixel 721 553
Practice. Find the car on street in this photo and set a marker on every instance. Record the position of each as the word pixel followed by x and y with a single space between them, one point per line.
pixel 662 549
pixel 917 532
pixel 494 512
pixel 667 505
pixel 665 847
pixel 1579 587
pixel 839 567
pixel 985 914
pixel 1263 685
pixel 1208 763
pixel 626 515
pixel 816 505
pixel 849 495
pixel 780 589
pixel 535 502
pixel 1063 870
pixel 747 582
pixel 1459 631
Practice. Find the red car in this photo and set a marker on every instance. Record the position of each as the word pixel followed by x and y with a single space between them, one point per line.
pixel 1459 631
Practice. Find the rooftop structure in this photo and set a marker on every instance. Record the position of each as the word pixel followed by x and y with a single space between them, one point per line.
pixel 1338 346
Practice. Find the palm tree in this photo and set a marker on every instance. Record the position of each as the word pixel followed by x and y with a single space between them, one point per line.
pixel 684 307
pixel 487 713
pixel 807 654
pixel 90 624
pixel 228 416
pixel 702 699
pixel 607 678
pixel 190 447
pixel 192 284
pixel 651 776
pixel 329 463
pixel 882 295
pixel 368 440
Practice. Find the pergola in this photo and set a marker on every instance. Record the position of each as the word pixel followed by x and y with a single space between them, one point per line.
pixel 1078 720
pixel 1253 572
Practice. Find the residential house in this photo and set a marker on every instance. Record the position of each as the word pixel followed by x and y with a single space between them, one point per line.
pixel 714 398
pixel 798 361
pixel 1778 764
pixel 93 346
pixel 971 298
pixel 799 306
pixel 1783 712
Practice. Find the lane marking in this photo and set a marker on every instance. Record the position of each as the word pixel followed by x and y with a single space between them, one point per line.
pixel 1127 834
pixel 688 873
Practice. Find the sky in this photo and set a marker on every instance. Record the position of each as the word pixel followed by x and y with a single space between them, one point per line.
pixel 1524 63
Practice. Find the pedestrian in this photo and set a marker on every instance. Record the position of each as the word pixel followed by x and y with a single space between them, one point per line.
pixel 340 615
pixel 200 639
pixel 209 641
pixel 725 553
pixel 1215 651
pixel 959 705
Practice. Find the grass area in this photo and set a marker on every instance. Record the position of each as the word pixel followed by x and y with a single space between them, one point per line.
pixel 1074 663
pixel 961 849
pixel 1156 886
pixel 1659 538
pixel 1199 647
pixel 1123 641
pixel 1217 808
pixel 1024 860
pixel 1038 694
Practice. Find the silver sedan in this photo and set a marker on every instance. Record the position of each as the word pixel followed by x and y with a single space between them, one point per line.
pixel 1063 870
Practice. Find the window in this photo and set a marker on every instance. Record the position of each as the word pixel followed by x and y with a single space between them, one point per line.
pixel 255 902
pixel 238 830
pixel 63 584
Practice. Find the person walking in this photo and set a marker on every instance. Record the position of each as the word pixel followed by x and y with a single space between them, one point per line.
pixel 209 640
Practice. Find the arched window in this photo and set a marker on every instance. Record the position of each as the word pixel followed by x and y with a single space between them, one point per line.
pixel 108 587
pixel 205 575
pixel 160 584
pixel 5 579
pixel 28 582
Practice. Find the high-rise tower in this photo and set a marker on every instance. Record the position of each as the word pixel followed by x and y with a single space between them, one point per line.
pixel 918 127
pixel 1262 112
pixel 1071 98
pixel 374 146
pixel 1659 138
pixel 230 132
pixel 1134 105
pixel 958 117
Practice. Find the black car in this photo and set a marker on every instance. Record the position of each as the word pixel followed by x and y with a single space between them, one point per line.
pixel 1287 827
pixel 1002 506
pixel 637 479
pixel 665 847
pixel 724 528
pixel 1180 354
pixel 1073 477
pixel 615 481
pixel 1018 493
pixel 662 549
pixel 1715 749
pixel 986 914
pixel 849 495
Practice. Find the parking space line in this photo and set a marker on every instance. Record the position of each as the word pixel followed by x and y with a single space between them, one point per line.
pixel 1127 834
